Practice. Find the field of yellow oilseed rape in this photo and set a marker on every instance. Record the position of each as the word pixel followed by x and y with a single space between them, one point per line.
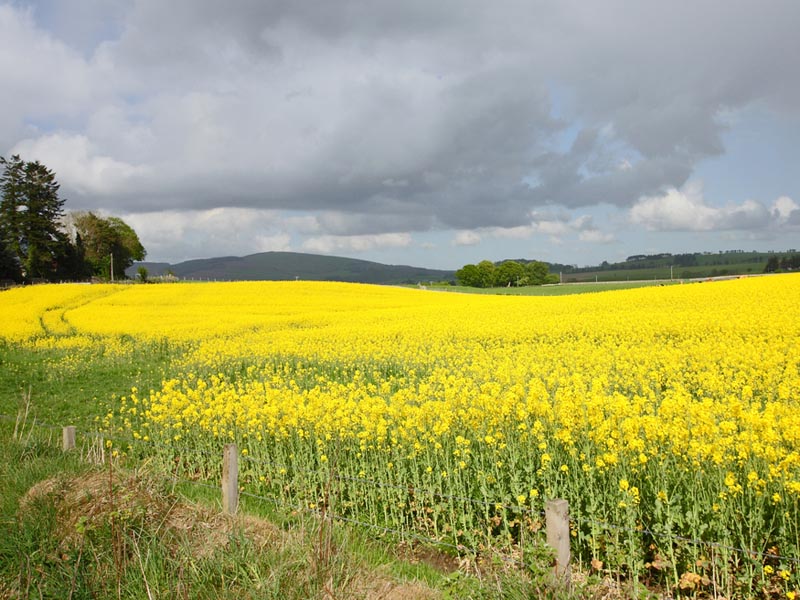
pixel 668 417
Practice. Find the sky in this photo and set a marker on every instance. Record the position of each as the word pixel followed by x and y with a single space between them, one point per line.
pixel 433 134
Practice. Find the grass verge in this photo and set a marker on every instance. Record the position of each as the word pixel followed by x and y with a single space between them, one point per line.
pixel 73 529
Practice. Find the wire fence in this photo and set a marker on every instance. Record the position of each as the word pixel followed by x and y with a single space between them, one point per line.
pixel 421 491
pixel 686 540
pixel 100 438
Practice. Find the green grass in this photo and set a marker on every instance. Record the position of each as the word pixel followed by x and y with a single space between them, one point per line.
pixel 77 394
pixel 663 273
pixel 71 528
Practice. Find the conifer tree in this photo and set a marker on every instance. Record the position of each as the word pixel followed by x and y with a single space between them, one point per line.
pixel 30 218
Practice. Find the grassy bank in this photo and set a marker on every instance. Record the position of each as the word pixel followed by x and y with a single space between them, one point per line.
pixel 84 524
pixel 73 529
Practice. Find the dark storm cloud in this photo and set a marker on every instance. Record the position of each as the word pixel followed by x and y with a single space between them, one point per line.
pixel 407 116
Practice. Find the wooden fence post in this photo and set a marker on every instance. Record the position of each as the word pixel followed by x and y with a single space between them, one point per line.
pixel 230 479
pixel 556 514
pixel 68 437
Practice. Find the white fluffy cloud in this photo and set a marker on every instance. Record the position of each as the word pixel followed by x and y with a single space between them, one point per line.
pixel 46 76
pixel 595 236
pixel 183 235
pixel 467 238
pixel 786 211
pixel 281 242
pixel 78 165
pixel 556 227
pixel 327 244
pixel 687 210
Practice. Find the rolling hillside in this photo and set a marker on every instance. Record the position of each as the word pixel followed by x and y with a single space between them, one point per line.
pixel 281 266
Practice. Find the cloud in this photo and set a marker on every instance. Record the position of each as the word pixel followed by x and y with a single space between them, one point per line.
pixel 555 226
pixel 520 232
pixel 182 235
pixel 77 165
pixel 387 118
pixel 551 227
pixel 327 244
pixel 43 79
pixel 785 211
pixel 280 242
pixel 596 236
pixel 304 224
pixel 466 238
pixel 358 223
pixel 687 210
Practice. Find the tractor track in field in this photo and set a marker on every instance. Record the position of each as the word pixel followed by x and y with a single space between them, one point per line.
pixel 54 321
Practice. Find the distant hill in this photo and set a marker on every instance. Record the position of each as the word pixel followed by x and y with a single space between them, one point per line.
pixel 282 266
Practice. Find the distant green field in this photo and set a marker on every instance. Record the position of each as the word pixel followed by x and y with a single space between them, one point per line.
pixel 549 290
pixel 663 273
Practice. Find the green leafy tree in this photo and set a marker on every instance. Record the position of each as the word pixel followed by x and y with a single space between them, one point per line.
pixel 468 275
pixel 510 273
pixel 486 273
pixel 107 239
pixel 537 273
pixel 30 219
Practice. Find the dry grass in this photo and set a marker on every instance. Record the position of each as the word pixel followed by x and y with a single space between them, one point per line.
pixel 110 523
pixel 196 532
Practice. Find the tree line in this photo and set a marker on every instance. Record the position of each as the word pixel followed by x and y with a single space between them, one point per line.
pixel 509 273
pixel 777 264
pixel 40 242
